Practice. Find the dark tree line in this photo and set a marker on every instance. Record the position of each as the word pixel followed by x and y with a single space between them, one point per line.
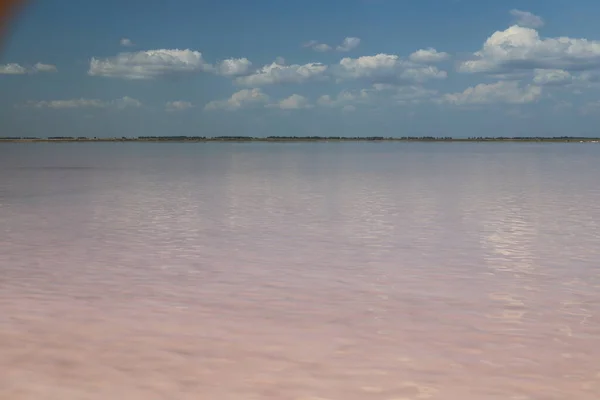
pixel 307 138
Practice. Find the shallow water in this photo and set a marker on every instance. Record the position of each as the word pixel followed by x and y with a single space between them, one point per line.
pixel 300 271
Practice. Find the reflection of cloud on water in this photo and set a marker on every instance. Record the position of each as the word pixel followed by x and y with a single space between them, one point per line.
pixel 369 224
pixel 237 185
pixel 511 240
pixel 509 246
pixel 502 202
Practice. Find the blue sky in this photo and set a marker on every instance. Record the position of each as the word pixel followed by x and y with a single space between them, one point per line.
pixel 351 68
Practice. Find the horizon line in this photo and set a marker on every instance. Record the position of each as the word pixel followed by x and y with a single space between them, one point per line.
pixel 295 138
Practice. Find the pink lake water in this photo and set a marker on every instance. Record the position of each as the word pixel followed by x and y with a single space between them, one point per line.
pixel 300 271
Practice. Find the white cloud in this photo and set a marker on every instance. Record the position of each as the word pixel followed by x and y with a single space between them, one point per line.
pixel 387 68
pixel 126 42
pixel 551 77
pixel 277 73
pixel 383 94
pixel 294 102
pixel 310 44
pixel 148 64
pixel 519 49
pixel 422 74
pixel 380 94
pixel 380 87
pixel 345 98
pixel 367 65
pixel 125 102
pixel 527 19
pixel 12 69
pixel 316 46
pixel 508 92
pixel 321 47
pixel 39 67
pixel 73 103
pixel 241 99
pixel 121 103
pixel 349 43
pixel 412 95
pixel 178 105
pixel 234 67
pixel 428 56
pixel 17 69
pixel 151 64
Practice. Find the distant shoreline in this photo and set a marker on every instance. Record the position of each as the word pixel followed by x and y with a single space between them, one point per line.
pixel 295 139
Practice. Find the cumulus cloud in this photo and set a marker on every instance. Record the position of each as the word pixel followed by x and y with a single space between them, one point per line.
pixel 345 98
pixel 243 98
pixel 12 69
pixel 233 67
pixel 348 44
pixel 382 94
pixel 316 46
pixel 294 102
pixel 277 73
pixel 73 103
pixel 508 92
pixel 125 102
pixel 40 67
pixel 121 103
pixel 126 42
pixel 148 64
pixel 412 95
pixel 526 19
pixel 17 69
pixel 522 49
pixel 428 56
pixel 552 77
pixel 380 87
pixel 387 68
pixel 321 47
pixel 178 105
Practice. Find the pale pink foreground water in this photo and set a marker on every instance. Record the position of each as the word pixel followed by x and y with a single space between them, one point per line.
pixel 359 271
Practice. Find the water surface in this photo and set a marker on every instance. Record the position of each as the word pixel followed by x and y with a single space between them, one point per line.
pixel 300 271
